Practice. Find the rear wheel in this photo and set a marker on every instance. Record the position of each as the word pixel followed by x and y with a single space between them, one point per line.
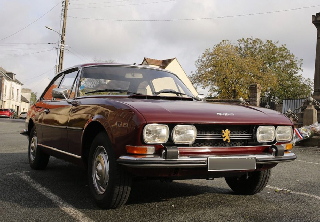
pixel 109 184
pixel 249 184
pixel 38 160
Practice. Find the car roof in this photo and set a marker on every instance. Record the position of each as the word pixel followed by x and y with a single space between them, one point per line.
pixel 115 64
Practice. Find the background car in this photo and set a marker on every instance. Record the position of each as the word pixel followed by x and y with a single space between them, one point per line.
pixel 23 115
pixel 130 121
pixel 8 113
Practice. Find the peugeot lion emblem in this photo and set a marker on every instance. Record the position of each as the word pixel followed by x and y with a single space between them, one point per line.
pixel 226 135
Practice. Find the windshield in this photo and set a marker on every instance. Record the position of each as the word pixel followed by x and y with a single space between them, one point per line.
pixel 120 80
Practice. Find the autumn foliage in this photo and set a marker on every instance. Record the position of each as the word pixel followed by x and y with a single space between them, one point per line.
pixel 228 69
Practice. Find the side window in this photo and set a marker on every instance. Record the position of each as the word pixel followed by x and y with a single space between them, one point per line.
pixel 144 88
pixel 55 84
pixel 164 83
pixel 69 82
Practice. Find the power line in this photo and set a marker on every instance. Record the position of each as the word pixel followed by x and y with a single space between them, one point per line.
pixel 40 74
pixel 75 55
pixel 74 52
pixel 195 19
pixel 30 23
pixel 94 3
pixel 141 3
pixel 4 44
pixel 32 53
pixel 41 81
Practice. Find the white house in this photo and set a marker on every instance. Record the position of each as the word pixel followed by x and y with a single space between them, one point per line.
pixel 174 66
pixel 25 99
pixel 10 91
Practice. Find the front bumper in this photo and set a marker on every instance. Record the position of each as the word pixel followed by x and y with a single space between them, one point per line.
pixel 156 161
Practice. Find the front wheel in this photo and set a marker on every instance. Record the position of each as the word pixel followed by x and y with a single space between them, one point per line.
pixel 38 160
pixel 109 184
pixel 249 184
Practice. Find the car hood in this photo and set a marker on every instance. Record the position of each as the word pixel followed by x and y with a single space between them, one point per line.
pixel 167 111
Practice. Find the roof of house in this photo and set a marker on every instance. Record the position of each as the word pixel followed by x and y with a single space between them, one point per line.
pixel 3 73
pixel 156 62
pixel 24 99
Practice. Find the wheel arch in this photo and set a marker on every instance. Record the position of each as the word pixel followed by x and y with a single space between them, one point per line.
pixel 90 131
pixel 31 124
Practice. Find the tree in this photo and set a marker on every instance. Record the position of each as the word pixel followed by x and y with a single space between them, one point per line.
pixel 33 98
pixel 228 70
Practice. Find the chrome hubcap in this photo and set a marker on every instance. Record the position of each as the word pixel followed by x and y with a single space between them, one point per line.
pixel 33 148
pixel 100 170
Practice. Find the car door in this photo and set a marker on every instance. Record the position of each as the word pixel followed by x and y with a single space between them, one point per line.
pixel 56 115
pixel 41 108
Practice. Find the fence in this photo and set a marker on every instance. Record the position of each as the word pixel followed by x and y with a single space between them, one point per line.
pixel 268 102
pixel 293 104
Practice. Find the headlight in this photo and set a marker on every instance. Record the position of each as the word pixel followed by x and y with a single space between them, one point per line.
pixel 265 134
pixel 284 133
pixel 155 133
pixel 184 134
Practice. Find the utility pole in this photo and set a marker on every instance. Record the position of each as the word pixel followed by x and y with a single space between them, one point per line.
pixel 63 35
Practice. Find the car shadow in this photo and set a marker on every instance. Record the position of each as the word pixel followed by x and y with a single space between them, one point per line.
pixel 70 183
pixel 150 191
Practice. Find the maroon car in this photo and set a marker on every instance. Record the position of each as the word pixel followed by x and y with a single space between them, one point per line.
pixel 8 113
pixel 125 121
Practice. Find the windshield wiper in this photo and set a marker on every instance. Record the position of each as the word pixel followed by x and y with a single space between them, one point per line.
pixel 169 91
pixel 174 92
pixel 134 93
pixel 107 90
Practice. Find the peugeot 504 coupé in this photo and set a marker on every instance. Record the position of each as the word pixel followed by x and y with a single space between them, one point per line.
pixel 122 122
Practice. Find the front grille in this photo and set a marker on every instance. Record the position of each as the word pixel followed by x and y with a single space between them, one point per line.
pixel 211 135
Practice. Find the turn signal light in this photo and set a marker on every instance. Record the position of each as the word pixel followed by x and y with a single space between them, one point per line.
pixel 288 146
pixel 140 149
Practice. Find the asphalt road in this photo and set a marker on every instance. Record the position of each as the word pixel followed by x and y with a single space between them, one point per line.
pixel 60 193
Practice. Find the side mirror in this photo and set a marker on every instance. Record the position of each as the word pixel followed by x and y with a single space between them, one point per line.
pixel 58 93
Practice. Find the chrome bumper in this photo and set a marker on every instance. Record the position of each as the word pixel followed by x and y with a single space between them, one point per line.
pixel 155 161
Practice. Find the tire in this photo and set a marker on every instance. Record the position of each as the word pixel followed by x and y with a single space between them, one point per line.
pixel 38 160
pixel 251 184
pixel 109 184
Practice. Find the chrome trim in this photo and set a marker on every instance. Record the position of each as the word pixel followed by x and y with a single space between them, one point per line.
pixel 219 136
pixel 53 126
pixel 61 127
pixel 74 128
pixel 156 161
pixel 60 151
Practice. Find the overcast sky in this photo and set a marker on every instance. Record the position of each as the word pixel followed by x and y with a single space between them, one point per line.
pixel 126 31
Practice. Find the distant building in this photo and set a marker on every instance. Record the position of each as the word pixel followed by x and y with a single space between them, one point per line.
pixel 10 91
pixel 174 66
pixel 12 96
pixel 25 99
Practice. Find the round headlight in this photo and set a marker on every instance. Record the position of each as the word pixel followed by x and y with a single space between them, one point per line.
pixel 184 134
pixel 284 133
pixel 265 134
pixel 156 133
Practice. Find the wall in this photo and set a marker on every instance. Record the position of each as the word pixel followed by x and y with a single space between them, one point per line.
pixel 176 68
